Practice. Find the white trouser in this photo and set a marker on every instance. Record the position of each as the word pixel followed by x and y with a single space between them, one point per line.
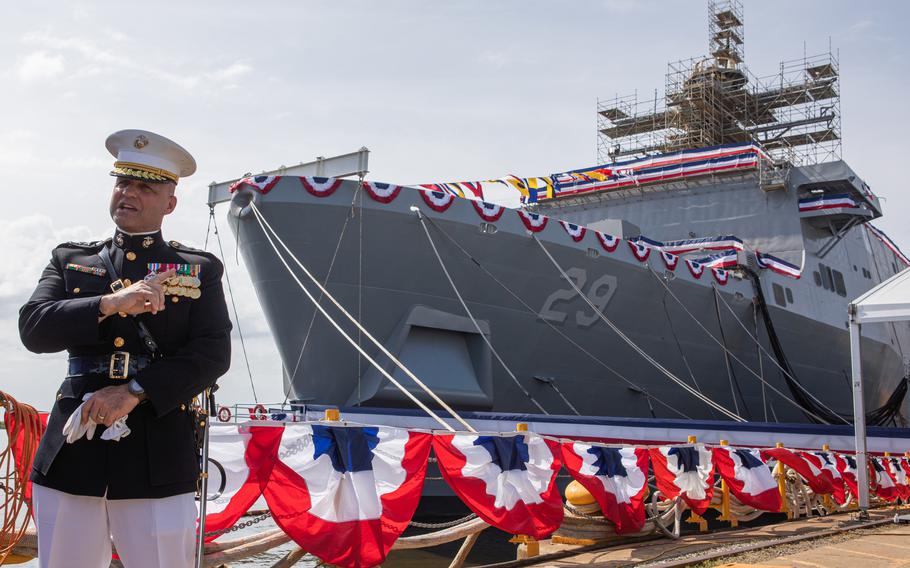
pixel 75 531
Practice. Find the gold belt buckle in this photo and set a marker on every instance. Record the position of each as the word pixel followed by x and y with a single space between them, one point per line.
pixel 120 365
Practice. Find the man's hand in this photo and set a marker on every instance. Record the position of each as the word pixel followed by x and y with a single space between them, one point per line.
pixel 139 297
pixel 109 404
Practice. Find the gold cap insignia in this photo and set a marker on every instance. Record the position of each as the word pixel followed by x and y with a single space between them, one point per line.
pixel 147 242
pixel 140 142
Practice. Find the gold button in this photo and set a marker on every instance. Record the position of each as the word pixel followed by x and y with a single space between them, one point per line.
pixel 76 290
pixel 119 342
pixel 175 299
pixel 122 314
pixel 202 423
pixel 127 282
pixel 131 255
pixel 59 396
pixel 182 407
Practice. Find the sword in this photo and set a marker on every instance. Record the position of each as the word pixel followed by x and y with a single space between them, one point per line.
pixel 208 405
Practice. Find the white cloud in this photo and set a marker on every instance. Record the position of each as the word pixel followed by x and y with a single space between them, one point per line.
pixel 39 66
pixel 234 71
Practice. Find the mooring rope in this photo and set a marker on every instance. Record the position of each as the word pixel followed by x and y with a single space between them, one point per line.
pixel 266 228
pixel 25 422
pixel 474 320
pixel 669 374
pixel 731 354
pixel 630 383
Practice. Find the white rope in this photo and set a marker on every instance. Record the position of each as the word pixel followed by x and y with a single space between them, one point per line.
pixel 474 321
pixel 685 386
pixel 263 223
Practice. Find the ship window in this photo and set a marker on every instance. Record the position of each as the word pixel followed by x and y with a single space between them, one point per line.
pixel 779 297
pixel 817 277
pixel 839 284
pixel 827 279
pixel 789 295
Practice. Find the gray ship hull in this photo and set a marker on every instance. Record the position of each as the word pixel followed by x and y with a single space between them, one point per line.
pixel 386 274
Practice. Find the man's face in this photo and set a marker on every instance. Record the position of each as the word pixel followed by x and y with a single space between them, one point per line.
pixel 140 206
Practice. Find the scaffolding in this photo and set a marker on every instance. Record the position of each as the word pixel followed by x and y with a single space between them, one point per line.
pixel 793 114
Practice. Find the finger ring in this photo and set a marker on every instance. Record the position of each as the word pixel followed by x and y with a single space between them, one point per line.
pixel 101 416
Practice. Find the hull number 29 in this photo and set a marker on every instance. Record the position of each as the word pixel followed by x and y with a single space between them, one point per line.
pixel 556 308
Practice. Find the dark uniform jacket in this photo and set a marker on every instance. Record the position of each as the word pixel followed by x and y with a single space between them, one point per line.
pixel 158 458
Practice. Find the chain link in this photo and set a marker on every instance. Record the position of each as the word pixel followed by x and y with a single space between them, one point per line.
pixel 242 525
pixel 443 525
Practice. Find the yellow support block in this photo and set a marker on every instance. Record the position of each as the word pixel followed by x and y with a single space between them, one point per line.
pixel 781 472
pixel 725 500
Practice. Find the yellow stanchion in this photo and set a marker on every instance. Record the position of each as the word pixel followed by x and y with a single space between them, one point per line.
pixel 780 471
pixel 694 517
pixel 528 547
pixel 725 499
pixel 332 415
pixel 826 499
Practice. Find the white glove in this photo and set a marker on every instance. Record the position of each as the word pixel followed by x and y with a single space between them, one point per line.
pixel 75 428
pixel 117 430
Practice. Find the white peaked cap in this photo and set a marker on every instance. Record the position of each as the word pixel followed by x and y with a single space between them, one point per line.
pixel 147 156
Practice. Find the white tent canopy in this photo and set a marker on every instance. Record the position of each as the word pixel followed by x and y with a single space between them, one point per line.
pixel 887 302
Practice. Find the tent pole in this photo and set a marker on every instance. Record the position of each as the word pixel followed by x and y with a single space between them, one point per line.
pixel 859 416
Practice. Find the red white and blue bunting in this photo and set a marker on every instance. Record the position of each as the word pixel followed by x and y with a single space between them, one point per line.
pixel 346 492
pixel 608 242
pixel 778 265
pixel 886 240
pixel 686 471
pixel 437 200
pixel 839 201
pixel 640 250
pixel 577 232
pixel 262 184
pixel 534 222
pixel 320 186
pixel 616 477
pixel 489 212
pixel 702 243
pixel 670 260
pixel 721 276
pixel 382 192
pixel 725 259
pixel 508 480
pixel 696 269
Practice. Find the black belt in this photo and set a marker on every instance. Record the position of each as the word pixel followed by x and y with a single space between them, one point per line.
pixel 117 365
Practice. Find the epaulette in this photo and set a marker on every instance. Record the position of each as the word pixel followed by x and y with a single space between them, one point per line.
pixel 84 245
pixel 183 248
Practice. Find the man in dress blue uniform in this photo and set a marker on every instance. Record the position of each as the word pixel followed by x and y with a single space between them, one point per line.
pixel 146 326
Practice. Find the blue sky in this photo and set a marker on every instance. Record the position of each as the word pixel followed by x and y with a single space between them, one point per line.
pixel 455 90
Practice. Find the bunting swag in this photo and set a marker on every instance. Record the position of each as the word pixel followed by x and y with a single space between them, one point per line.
pixel 884 485
pixel 607 242
pixel 346 493
pixel 382 192
pixel 720 276
pixel 846 466
pixel 489 212
pixel 695 268
pixel 686 471
pixel 899 476
pixel 886 240
pixel 577 232
pixel 840 201
pixel 437 200
pixel 826 465
pixel 262 184
pixel 809 472
pixel 778 265
pixel 509 480
pixel 235 454
pixel 641 251
pixel 616 477
pixel 748 478
pixel 320 186
pixel 725 259
pixel 670 260
pixel 703 243
pixel 534 222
